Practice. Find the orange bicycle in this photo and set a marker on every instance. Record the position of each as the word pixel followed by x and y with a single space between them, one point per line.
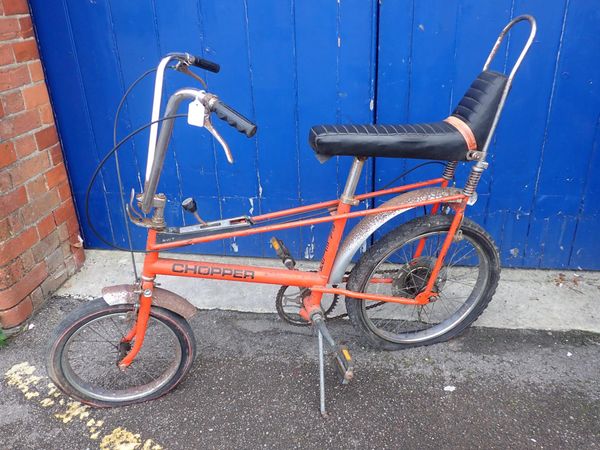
pixel 422 283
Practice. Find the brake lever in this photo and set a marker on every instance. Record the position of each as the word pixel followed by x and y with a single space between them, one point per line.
pixel 184 68
pixel 209 126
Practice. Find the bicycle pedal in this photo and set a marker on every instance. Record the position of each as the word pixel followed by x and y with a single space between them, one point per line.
pixel 344 364
pixel 283 253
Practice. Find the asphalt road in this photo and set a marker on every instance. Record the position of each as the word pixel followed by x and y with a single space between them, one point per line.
pixel 255 385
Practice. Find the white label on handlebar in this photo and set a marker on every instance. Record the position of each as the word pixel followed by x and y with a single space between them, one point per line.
pixel 196 112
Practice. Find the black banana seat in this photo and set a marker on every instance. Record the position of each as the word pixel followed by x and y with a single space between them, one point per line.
pixel 457 138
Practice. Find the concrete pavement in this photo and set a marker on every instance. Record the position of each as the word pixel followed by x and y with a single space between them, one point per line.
pixel 525 299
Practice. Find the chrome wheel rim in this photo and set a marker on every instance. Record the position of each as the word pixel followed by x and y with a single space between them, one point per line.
pixel 461 284
pixel 91 354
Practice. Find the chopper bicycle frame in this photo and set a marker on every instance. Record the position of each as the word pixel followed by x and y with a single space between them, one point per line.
pixel 422 283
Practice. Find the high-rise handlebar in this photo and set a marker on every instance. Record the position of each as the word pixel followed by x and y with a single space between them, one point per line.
pixel 157 145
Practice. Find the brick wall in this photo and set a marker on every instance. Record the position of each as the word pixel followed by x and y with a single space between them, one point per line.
pixel 39 233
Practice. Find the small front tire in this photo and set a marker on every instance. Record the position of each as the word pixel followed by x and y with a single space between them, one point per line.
pixel 88 344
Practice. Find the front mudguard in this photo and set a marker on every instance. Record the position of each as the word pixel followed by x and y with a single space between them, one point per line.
pixel 128 293
pixel 367 226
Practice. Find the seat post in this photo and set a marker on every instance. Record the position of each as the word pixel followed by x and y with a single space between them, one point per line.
pixel 352 181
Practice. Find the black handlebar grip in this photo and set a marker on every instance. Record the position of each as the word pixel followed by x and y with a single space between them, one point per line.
pixel 234 118
pixel 205 64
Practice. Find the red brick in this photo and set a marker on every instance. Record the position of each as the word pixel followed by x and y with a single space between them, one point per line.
pixel 9 28
pixel 19 123
pixel 54 281
pixel 5 230
pixel 16 223
pixel 35 95
pixel 5 182
pixel 36 71
pixel 11 273
pixel 26 27
pixel 64 191
pixel 25 50
pixel 12 102
pixel 12 7
pixel 46 115
pixel 7 55
pixel 37 298
pixel 16 315
pixel 55 261
pixel 46 137
pixel 36 187
pixel 40 206
pixel 13 77
pixel 73 225
pixel 12 201
pixel 56 175
pixel 46 226
pixel 25 146
pixel 63 232
pixel 46 246
pixel 17 245
pixel 27 259
pixel 79 255
pixel 7 154
pixel 30 168
pixel 66 249
pixel 56 156
pixel 64 212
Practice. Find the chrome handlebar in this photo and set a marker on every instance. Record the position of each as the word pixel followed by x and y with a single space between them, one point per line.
pixel 157 144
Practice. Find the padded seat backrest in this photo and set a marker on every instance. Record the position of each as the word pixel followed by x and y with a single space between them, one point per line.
pixel 480 103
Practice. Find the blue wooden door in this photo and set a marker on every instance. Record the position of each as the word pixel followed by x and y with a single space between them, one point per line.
pixel 287 65
pixel 539 198
pixel 290 64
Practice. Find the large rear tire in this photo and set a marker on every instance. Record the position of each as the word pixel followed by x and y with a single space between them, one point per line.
pixel 466 283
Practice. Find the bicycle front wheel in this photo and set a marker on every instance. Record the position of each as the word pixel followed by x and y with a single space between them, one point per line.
pixel 88 345
pixel 400 264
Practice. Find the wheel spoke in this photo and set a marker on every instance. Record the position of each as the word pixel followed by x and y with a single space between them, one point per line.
pixel 92 369
pixel 459 285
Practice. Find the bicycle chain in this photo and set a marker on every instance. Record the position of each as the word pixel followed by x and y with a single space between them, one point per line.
pixel 336 297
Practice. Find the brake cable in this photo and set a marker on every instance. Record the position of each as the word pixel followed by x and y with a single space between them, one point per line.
pixel 118 166
pixel 97 171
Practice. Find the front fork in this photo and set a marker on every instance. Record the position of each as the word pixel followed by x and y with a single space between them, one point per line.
pixel 138 330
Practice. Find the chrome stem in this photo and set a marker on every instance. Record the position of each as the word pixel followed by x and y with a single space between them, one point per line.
pixel 156 158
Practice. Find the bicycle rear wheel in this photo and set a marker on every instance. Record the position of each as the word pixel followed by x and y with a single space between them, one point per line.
pixel 88 345
pixel 465 284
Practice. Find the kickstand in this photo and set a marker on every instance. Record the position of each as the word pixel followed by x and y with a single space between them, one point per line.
pixel 322 376
pixel 343 360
